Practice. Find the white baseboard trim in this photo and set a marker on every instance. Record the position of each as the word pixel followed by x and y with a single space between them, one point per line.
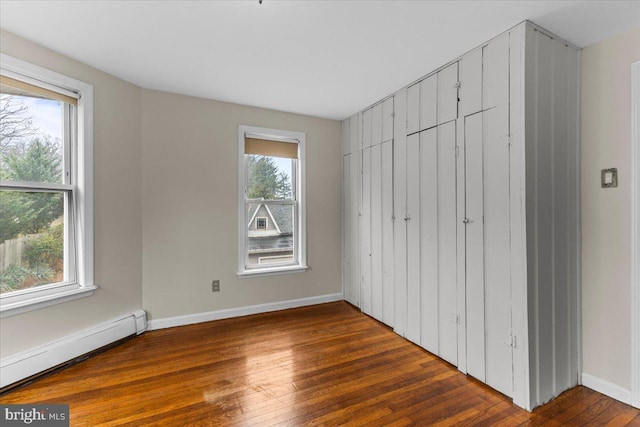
pixel 605 387
pixel 188 319
pixel 37 359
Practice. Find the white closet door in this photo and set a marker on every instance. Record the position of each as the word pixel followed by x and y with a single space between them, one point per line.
pixel 365 233
pixel 413 109
pixel 376 233
pixel 499 360
pixel 429 238
pixel 399 210
pixel 366 128
pixel 446 238
pixel 474 256
pixel 471 83
pixel 346 226
pixel 354 212
pixel 387 120
pixel 448 93
pixel 387 234
pixel 344 127
pixel 376 125
pixel 413 238
pixel 353 133
pixel 428 102
pixel 495 72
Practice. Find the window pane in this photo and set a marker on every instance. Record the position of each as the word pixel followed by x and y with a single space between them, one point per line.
pixel 269 178
pixel 31 239
pixel 31 139
pixel 272 244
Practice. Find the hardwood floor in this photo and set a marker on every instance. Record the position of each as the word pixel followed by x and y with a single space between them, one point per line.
pixel 321 365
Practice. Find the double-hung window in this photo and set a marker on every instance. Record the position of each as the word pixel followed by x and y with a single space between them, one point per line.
pixel 46 225
pixel 271 207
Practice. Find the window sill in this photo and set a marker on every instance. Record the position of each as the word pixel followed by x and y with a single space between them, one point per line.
pixel 273 271
pixel 10 305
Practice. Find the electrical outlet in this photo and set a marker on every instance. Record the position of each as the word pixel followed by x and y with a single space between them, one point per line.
pixel 215 286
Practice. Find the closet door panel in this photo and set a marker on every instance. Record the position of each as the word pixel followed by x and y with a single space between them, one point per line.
pixel 471 83
pixel 428 102
pixel 413 238
pixel 346 226
pixel 448 93
pixel 387 120
pixel 376 232
pixel 495 72
pixel 387 234
pixel 366 128
pixel 429 239
pixel 354 213
pixel 474 254
pixel 447 283
pixel 376 125
pixel 345 128
pixel 353 134
pixel 497 272
pixel 399 210
pixel 365 234
pixel 413 109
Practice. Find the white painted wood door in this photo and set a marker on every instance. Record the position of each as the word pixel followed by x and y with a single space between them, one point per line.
pixel 346 221
pixel 448 93
pixel 428 102
pixel 413 109
pixel 376 232
pixel 367 119
pixel 471 83
pixel 399 210
pixel 429 240
pixel 388 303
pixel 365 233
pixel 387 119
pixel 413 238
pixel 446 267
pixel 354 235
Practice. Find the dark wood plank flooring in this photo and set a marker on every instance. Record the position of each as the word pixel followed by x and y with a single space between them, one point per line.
pixel 322 365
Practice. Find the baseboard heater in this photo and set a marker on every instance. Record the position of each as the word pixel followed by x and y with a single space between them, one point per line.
pixel 18 367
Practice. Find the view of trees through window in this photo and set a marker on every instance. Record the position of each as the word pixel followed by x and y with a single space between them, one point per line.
pixel 31 222
pixel 270 241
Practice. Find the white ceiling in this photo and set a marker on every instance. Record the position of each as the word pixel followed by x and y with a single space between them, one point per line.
pixel 321 58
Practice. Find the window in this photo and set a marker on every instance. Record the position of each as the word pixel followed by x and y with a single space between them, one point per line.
pixel 46 221
pixel 261 223
pixel 271 207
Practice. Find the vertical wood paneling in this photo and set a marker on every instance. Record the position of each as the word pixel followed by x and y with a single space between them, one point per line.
pixel 429 239
pixel 496 72
pixel 496 243
pixel 461 246
pixel 376 125
pixel 353 133
pixel 413 109
pixel 399 211
pixel 365 233
pixel 354 211
pixel 366 128
pixel 413 238
pixel 345 128
pixel 448 94
pixel 387 234
pixel 471 83
pixel 376 232
pixel 387 120
pixel 447 283
pixel 346 225
pixel 428 102
pixel 475 246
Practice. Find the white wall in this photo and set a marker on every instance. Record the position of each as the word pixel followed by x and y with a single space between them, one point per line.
pixel 606 222
pixel 117 206
pixel 189 187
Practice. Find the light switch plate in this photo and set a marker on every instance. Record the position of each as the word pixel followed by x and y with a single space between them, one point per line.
pixel 609 178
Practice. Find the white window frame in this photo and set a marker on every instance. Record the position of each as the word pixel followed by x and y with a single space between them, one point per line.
pixel 300 230
pixel 81 190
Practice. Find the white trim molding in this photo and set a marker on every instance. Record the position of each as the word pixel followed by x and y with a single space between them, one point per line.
pixel 635 234
pixel 189 319
pixel 22 365
pixel 607 388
